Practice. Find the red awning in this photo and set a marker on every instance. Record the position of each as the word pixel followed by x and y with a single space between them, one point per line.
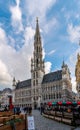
pixel 59 103
pixel 78 102
pixel 69 103
pixel 50 103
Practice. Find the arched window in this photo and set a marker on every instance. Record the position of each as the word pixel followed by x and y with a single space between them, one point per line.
pixel 54 95
pixel 37 48
pixel 36 74
pixel 36 62
pixel 49 96
pixel 57 95
pixel 36 82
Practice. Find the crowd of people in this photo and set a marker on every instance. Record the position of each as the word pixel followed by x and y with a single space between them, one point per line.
pixel 26 110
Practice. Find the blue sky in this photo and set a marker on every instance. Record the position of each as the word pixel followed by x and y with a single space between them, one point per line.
pixel 59 23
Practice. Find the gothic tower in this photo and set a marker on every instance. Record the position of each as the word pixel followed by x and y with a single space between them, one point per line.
pixel 37 68
pixel 77 74
pixel 66 83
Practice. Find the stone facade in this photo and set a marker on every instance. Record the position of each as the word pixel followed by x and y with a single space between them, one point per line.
pixel 4 96
pixel 41 88
pixel 77 74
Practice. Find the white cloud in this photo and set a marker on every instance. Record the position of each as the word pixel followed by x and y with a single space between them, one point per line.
pixel 16 16
pixel 11 41
pixel 74 84
pixel 77 16
pixel 29 35
pixel 5 77
pixel 47 67
pixel 53 23
pixel 39 8
pixel 72 64
pixel 74 33
pixel 43 53
pixel 16 63
pixel 3 38
pixel 51 52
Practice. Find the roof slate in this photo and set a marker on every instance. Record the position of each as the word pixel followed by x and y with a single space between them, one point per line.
pixel 7 90
pixel 53 76
pixel 23 84
pixel 50 77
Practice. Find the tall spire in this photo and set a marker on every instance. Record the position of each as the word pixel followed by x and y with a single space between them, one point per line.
pixel 37 33
pixel 38 62
pixel 37 26
pixel 63 64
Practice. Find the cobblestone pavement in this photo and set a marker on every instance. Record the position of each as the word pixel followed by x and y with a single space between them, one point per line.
pixel 42 123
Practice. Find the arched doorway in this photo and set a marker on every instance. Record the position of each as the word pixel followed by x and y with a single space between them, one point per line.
pixel 35 105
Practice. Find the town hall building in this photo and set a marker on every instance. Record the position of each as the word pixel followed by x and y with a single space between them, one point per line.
pixel 42 88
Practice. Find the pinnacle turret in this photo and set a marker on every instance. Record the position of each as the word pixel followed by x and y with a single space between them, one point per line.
pixel 37 36
pixel 37 27
pixel 63 64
